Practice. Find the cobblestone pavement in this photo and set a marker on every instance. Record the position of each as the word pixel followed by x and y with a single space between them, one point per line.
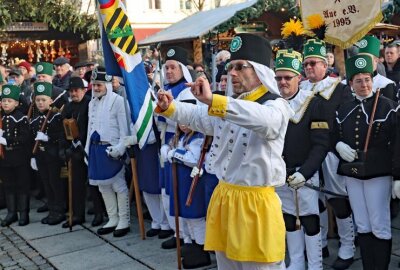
pixel 16 253
pixel 37 246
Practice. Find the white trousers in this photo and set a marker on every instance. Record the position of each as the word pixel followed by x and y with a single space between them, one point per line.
pixel 183 229
pixel 333 181
pixel 370 202
pixel 155 206
pixel 224 263
pixel 118 186
pixel 197 229
pixel 165 203
pixel 307 197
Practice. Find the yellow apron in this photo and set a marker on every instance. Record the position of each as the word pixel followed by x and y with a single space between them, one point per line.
pixel 246 223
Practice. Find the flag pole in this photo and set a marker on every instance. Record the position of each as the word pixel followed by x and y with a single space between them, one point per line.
pixel 134 186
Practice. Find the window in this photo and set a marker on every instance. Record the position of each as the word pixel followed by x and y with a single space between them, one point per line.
pixel 154 4
pixel 185 4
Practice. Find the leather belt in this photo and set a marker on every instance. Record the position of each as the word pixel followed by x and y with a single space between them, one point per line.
pixel 100 143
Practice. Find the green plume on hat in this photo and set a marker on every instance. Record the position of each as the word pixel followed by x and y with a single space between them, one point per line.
pixel 360 63
pixel 11 91
pixel 369 44
pixel 43 88
pixel 44 68
pixel 289 60
pixel 314 48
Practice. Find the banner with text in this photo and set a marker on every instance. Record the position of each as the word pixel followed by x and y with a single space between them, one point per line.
pixel 347 20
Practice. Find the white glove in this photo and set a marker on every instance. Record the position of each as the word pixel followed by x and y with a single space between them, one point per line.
pixel 1 132
pixel 41 137
pixel 346 152
pixel 130 140
pixel 396 189
pixel 116 151
pixel 196 171
pixel 33 164
pixel 3 141
pixel 296 180
pixel 170 155
pixel 76 144
pixel 164 152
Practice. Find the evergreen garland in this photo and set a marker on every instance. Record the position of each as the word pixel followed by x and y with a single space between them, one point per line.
pixel 252 12
pixel 63 16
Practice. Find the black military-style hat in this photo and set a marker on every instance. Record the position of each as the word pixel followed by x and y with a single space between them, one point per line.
pixel 252 48
pixel 99 74
pixel 76 82
pixel 80 64
pixel 178 54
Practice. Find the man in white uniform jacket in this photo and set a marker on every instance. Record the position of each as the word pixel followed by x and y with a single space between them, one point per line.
pixel 106 129
pixel 244 223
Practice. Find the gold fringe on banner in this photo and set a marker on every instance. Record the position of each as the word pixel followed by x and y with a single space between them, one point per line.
pixel 357 37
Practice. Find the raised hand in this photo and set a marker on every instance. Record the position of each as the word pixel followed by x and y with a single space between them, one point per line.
pixel 164 99
pixel 201 90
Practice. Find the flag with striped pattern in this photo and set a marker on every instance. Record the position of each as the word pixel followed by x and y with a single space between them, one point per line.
pixel 122 59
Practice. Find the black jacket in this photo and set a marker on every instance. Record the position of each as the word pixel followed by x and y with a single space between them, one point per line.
pixel 352 125
pixel 17 135
pixel 307 142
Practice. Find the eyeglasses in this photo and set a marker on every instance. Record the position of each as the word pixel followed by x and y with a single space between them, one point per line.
pixel 237 67
pixel 286 78
pixel 311 63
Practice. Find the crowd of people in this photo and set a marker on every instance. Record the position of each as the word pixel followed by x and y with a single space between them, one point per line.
pixel 275 141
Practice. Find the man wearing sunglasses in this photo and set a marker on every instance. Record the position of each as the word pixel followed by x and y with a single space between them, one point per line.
pixel 244 223
pixel 332 94
pixel 302 163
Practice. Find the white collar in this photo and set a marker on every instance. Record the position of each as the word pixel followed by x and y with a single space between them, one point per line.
pixel 299 104
pixel 324 87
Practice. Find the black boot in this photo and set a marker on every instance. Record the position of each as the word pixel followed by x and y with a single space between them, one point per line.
pixel 43 208
pixel 12 216
pixel 382 252
pixel 97 220
pixel 366 242
pixel 170 243
pixel 196 258
pixel 23 208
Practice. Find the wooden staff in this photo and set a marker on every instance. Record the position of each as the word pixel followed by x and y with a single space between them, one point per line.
pixel 176 199
pixel 30 110
pixel 298 224
pixel 70 210
pixel 135 186
pixel 42 128
pixel 195 181
pixel 176 210
pixel 1 146
pixel 134 181
pixel 71 131
pixel 371 121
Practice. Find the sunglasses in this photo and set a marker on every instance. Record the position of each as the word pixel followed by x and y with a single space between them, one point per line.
pixel 286 78
pixel 311 63
pixel 237 67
